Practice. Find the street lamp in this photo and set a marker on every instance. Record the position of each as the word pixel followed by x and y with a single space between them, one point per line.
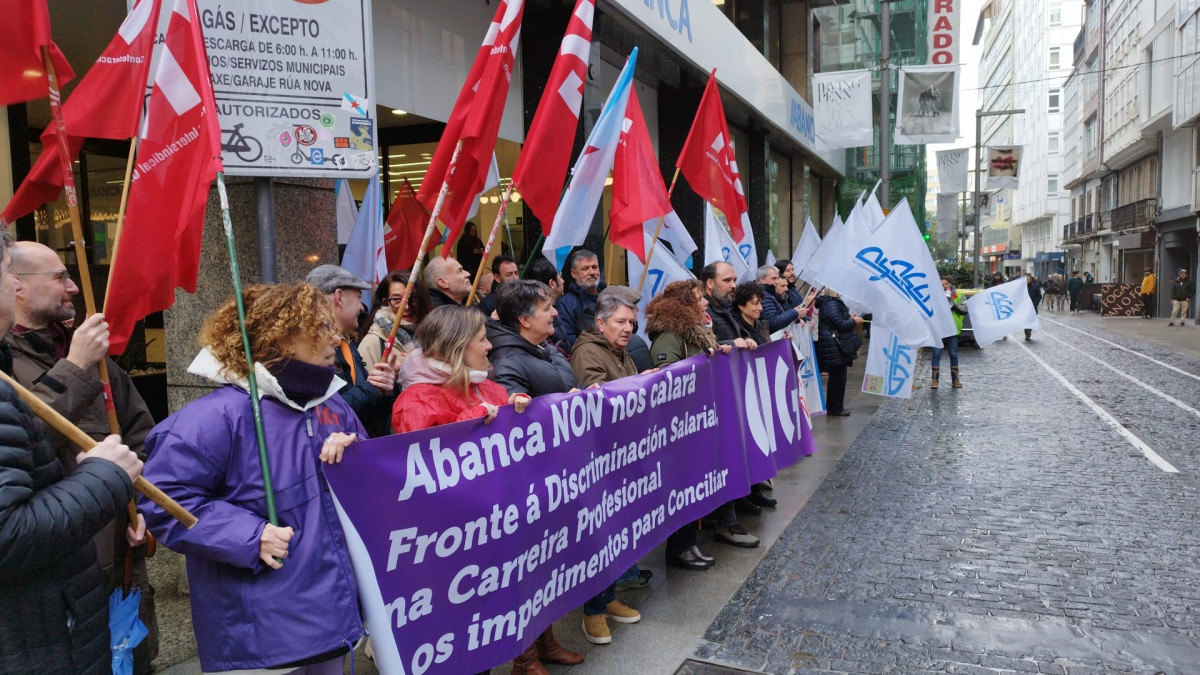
pixel 979 115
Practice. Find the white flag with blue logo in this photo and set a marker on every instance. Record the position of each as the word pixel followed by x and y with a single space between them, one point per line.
pixel 809 370
pixel 578 206
pixel 674 233
pixel 1000 310
pixel 364 256
pixel 719 247
pixel 888 269
pixel 890 365
pixel 748 249
pixel 807 246
pixel 663 268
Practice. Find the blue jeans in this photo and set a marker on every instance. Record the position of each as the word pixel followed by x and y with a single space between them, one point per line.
pixel 950 344
pixel 597 604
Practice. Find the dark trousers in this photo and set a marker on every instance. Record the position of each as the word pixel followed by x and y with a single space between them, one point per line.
pixel 835 392
pixel 1147 305
pixel 1074 302
pixel 682 539
pixel 597 604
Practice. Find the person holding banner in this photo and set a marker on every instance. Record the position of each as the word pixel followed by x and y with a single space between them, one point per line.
pixel 678 324
pixel 523 360
pixel 950 343
pixel 773 313
pixel 544 271
pixel 263 595
pixel 837 346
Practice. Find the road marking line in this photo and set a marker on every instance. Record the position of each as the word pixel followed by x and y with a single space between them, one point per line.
pixel 1103 414
pixel 1148 387
pixel 1135 353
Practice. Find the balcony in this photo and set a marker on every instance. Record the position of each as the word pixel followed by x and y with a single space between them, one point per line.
pixel 1078 230
pixel 1080 41
pixel 1138 215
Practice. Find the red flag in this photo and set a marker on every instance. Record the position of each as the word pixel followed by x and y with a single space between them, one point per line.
pixel 406 224
pixel 707 160
pixel 24 30
pixel 177 159
pixel 475 121
pixel 552 133
pixel 105 104
pixel 638 192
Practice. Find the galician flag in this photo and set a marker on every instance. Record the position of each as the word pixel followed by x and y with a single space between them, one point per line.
pixel 719 247
pixel 364 256
pixel 891 365
pixel 1000 310
pixel 662 269
pixel 888 269
pixel 574 216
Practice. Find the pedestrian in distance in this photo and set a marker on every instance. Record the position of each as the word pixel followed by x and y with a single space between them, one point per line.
pixel 1074 288
pixel 1148 283
pixel 55 616
pixel 469 249
pixel 838 343
pixel 1060 293
pixel 367 388
pixel 949 343
pixel 1035 294
pixel 264 596
pixel 1182 290
pixel 678 324
pixel 59 365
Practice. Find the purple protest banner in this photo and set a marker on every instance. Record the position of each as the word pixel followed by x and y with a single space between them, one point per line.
pixel 469 540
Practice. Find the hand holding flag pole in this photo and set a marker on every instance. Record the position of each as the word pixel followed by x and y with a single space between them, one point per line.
pixel 85 276
pixel 487 249
pixel 416 268
pixel 86 443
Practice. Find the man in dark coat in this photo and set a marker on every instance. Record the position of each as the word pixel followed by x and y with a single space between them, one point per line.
pixel 523 360
pixel 504 269
pixel 368 387
pixel 577 308
pixel 1074 288
pixel 60 367
pixel 776 315
pixel 55 616
pixel 448 282
pixel 1035 295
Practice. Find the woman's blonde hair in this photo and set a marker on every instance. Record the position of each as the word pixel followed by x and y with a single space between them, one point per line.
pixel 444 336
pixel 276 315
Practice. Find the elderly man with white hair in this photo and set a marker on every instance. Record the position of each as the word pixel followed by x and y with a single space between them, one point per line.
pixel 773 313
pixel 447 281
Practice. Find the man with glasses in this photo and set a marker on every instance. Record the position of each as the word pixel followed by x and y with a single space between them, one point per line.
pixel 367 390
pixel 60 366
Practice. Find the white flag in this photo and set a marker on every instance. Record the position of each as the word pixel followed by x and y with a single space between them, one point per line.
pixel 662 269
pixel 842 109
pixel 347 212
pixel 890 365
pixel 747 249
pixel 674 233
pixel 810 243
pixel 888 269
pixel 809 371
pixel 719 246
pixel 1000 310
pixel 492 181
pixel 770 260
pixel 952 170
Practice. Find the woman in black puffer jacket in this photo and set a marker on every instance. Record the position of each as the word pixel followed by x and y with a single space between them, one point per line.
pixel 834 357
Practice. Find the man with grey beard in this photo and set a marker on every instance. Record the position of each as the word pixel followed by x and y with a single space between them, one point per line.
pixel 577 308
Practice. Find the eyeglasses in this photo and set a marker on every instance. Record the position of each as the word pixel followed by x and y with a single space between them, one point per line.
pixel 395 300
pixel 58 275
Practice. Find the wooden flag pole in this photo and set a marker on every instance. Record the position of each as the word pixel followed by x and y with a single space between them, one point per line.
pixel 657 229
pixel 252 380
pixel 416 269
pixel 112 256
pixel 487 249
pixel 86 443
pixel 85 274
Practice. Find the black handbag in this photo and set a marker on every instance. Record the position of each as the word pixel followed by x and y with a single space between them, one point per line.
pixel 848 344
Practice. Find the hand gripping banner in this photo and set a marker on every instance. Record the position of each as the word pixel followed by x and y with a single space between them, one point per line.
pixel 469 540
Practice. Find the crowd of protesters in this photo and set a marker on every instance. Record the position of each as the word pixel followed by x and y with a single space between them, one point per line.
pixel 326 377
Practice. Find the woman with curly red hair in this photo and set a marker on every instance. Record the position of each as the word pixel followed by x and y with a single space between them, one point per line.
pixel 263 596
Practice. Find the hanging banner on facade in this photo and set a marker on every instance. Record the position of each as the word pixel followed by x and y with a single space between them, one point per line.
pixel 944 21
pixel 842 107
pixel 985 202
pixel 891 365
pixel 295 86
pixel 952 170
pixel 1003 167
pixel 947 215
pixel 469 540
pixel 927 105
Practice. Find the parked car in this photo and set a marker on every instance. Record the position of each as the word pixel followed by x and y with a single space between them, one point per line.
pixel 968 334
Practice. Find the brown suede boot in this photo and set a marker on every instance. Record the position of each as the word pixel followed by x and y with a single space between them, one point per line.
pixel 548 649
pixel 527 663
pixel 936 373
pixel 955 382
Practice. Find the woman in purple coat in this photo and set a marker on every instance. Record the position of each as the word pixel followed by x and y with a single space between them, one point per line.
pixel 263 597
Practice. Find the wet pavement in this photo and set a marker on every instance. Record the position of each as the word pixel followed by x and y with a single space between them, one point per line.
pixel 1020 524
